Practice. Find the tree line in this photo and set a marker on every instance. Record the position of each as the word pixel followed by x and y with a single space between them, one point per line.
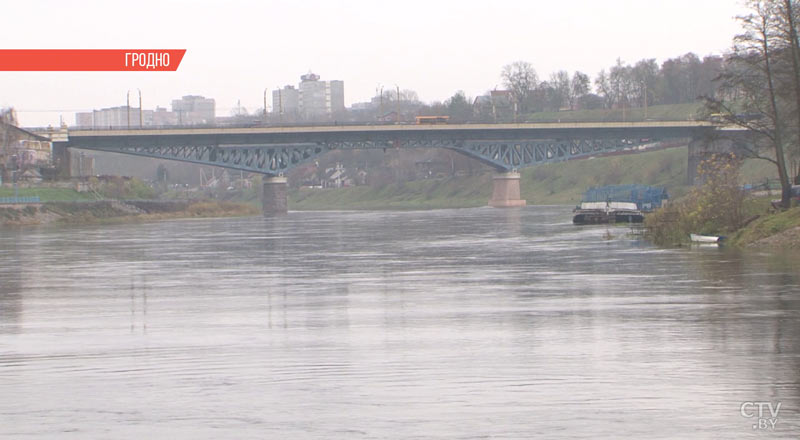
pixel 756 85
pixel 677 80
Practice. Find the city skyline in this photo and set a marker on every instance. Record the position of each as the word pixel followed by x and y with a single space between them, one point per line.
pixel 434 49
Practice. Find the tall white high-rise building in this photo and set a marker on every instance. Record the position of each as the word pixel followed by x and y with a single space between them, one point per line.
pixel 286 101
pixel 313 99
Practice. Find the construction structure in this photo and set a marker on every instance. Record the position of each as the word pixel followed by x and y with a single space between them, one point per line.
pixel 24 156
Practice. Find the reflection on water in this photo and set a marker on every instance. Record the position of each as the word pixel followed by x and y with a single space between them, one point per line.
pixel 477 323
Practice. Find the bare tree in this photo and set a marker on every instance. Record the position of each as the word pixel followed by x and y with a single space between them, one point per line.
pixel 562 90
pixel 754 71
pixel 645 74
pixel 604 88
pixel 787 15
pixel 521 79
pixel 579 88
pixel 623 86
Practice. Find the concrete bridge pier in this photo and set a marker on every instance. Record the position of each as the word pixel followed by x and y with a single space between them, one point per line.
pixel 703 149
pixel 506 192
pixel 273 197
pixel 62 158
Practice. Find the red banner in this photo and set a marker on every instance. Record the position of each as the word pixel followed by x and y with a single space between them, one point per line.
pixel 90 60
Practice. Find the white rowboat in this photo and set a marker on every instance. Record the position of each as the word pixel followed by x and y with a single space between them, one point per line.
pixel 705 238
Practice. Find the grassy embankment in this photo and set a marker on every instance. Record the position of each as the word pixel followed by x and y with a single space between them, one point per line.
pixel 778 231
pixel 67 206
pixel 719 207
pixel 560 183
pixel 49 194
pixel 105 212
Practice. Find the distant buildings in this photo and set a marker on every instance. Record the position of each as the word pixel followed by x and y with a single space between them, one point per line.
pixel 164 117
pixel 497 105
pixel 312 100
pixel 194 110
pixel 189 110
pixel 286 101
pixel 115 117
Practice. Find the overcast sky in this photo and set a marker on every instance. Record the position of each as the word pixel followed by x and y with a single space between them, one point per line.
pixel 236 49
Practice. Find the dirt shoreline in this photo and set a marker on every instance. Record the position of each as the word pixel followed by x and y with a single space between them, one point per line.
pixel 788 239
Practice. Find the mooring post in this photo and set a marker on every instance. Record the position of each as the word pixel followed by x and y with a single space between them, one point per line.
pixel 273 197
pixel 506 191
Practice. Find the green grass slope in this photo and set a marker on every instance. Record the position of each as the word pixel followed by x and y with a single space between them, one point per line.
pixel 565 182
pixel 48 194
pixel 560 183
pixel 780 230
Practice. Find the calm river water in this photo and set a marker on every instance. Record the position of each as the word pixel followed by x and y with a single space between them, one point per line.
pixel 453 324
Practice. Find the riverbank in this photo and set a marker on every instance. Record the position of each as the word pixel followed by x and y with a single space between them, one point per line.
pixel 774 231
pixel 112 211
pixel 754 224
pixel 553 184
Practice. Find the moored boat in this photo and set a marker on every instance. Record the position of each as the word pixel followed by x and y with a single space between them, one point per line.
pixel 592 213
pixel 697 238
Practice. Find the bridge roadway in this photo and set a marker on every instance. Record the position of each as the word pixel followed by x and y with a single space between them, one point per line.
pixel 274 150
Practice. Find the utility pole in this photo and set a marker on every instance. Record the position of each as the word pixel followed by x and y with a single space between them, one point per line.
pixel 141 120
pixel 128 108
pixel 516 109
pixel 397 104
pixel 645 100
pixel 15 176
pixel 280 102
pixel 265 103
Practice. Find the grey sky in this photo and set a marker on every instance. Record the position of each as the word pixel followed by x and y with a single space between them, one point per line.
pixel 236 49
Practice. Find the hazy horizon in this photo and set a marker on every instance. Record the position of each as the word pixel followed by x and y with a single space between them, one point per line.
pixel 236 52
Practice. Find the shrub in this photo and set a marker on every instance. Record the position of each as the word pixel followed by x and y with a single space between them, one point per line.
pixel 715 207
pixel 120 188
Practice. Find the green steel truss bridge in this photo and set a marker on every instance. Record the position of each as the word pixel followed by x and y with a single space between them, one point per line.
pixel 276 150
pixel 273 151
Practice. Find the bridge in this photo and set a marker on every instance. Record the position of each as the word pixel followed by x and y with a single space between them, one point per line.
pixel 274 150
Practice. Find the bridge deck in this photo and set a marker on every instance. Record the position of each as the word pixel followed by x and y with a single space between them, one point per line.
pixel 392 128
pixel 283 135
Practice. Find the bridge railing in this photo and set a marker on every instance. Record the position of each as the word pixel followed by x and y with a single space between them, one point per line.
pixel 19 200
pixel 261 124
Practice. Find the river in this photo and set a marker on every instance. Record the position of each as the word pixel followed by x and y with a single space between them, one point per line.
pixel 449 324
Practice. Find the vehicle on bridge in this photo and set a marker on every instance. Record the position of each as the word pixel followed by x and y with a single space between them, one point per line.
pixel 422 120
